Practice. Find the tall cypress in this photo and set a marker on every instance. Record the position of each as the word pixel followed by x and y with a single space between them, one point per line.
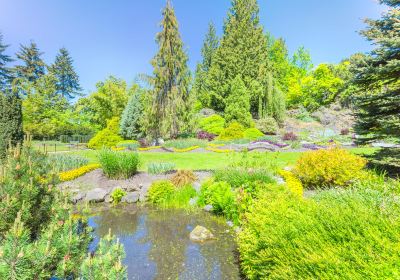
pixel 208 50
pixel 242 52
pixel 33 66
pixel 67 79
pixel 5 72
pixel 171 78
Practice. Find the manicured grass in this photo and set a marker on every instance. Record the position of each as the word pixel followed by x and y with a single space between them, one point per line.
pixel 52 146
pixel 200 161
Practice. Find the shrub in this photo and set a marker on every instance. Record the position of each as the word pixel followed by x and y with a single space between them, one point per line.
pixel 183 177
pixel 160 192
pixel 289 136
pixel 129 144
pixel 233 131
pixel 107 137
pixel 64 162
pixel 76 173
pixel 252 133
pixel 237 177
pixel 118 165
pixel 344 131
pixel 117 195
pixel 203 135
pixel 213 124
pixel 292 182
pixel 328 168
pixel 160 167
pixel 330 236
pixel 267 125
pixel 185 143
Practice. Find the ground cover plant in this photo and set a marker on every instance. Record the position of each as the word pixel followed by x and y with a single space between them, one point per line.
pixel 118 165
pixel 78 172
pixel 160 167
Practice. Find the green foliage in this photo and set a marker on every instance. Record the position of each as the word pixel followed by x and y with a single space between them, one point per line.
pixel 65 162
pixel 169 106
pixel 234 131
pixel 67 79
pixel 108 137
pixel 238 103
pixel 329 168
pixel 118 165
pixel 33 66
pixel 183 178
pixel 239 176
pixel 107 263
pixel 129 144
pixel 267 125
pixel 329 236
pixel 155 168
pixel 10 122
pixel 185 143
pixel 213 124
pixel 5 72
pixel 252 133
pixel 131 119
pixel 160 192
pixel 117 195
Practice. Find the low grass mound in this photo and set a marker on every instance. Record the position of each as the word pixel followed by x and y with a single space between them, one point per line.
pixel 118 165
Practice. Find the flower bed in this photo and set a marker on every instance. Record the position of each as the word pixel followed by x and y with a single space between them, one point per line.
pixel 176 150
pixel 219 150
pixel 116 149
pixel 313 147
pixel 78 172
pixel 213 145
pixel 279 145
pixel 149 148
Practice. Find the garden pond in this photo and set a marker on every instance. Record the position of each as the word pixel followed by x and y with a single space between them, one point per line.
pixel 157 243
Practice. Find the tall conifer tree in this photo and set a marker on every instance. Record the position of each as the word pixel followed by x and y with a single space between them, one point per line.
pixel 5 72
pixel 67 79
pixel 171 78
pixel 33 66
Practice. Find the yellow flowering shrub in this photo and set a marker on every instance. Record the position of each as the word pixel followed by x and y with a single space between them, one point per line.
pixel 75 173
pixel 185 149
pixel 219 150
pixel 149 148
pixel 117 148
pixel 292 182
pixel 329 168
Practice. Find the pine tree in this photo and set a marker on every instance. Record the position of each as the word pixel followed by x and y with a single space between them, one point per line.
pixel 170 97
pixel 67 79
pixel 208 50
pixel 242 52
pixel 378 75
pixel 131 120
pixel 5 72
pixel 33 66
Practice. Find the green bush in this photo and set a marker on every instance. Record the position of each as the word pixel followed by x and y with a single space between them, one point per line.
pixel 338 234
pixel 252 133
pixel 213 124
pixel 118 165
pixel 155 168
pixel 160 192
pixel 237 177
pixel 107 137
pixel 65 162
pixel 329 168
pixel 234 131
pixel 117 195
pixel 267 125
pixel 129 144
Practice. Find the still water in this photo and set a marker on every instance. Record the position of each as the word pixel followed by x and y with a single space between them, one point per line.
pixel 157 243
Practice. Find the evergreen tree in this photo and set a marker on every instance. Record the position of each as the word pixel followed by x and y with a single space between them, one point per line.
pixel 33 66
pixel 242 52
pixel 378 76
pixel 130 127
pixel 170 100
pixel 5 72
pixel 208 50
pixel 67 79
pixel 10 121
pixel 238 103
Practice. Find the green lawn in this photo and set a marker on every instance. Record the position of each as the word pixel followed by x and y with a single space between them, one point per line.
pixel 199 161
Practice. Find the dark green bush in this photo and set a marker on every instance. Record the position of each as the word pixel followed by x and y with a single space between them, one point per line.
pixel 118 165
pixel 338 234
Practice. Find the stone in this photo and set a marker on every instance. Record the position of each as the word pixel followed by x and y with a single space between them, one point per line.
pixel 229 223
pixel 193 201
pixel 201 234
pixel 132 197
pixel 77 197
pixel 96 195
pixel 208 208
pixel 130 188
pixel 197 186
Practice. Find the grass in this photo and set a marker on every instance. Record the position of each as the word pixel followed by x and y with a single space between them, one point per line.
pixel 53 146
pixel 207 161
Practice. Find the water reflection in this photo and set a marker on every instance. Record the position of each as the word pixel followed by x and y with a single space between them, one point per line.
pixel 157 243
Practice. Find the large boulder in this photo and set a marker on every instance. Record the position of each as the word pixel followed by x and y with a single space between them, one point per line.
pixel 201 234
pixel 96 195
pixel 131 198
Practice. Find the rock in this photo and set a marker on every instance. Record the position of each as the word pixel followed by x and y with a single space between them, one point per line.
pixel 279 180
pixel 108 199
pixel 208 208
pixel 288 168
pixel 77 197
pixel 206 112
pixel 197 186
pixel 132 197
pixel 201 234
pixel 96 195
pixel 193 201
pixel 131 188
pixel 229 223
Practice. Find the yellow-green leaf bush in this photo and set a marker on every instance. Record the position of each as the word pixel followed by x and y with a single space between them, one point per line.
pixel 337 234
pixel 117 195
pixel 234 131
pixel 106 138
pixel 213 124
pixel 292 182
pixel 160 192
pixel 252 133
pixel 333 167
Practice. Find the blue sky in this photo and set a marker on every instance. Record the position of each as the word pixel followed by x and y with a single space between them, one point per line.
pixel 116 37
